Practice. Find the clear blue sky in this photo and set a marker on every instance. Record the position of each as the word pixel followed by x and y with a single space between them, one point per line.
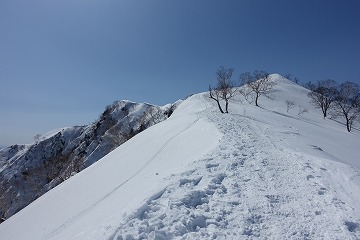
pixel 63 61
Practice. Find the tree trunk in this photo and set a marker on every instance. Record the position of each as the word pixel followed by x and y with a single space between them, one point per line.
pixel 256 100
pixel 324 113
pixel 348 125
pixel 218 103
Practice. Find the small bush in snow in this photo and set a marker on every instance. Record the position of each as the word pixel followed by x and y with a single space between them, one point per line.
pixel 289 105
pixel 302 110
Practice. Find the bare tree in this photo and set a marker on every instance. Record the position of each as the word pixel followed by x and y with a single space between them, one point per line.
pixel 214 93
pixel 288 76
pixel 323 95
pixel 292 78
pixel 302 110
pixel 245 78
pixel 258 84
pixel 37 137
pixel 224 89
pixel 348 103
pixel 296 80
pixel 309 85
pixel 289 105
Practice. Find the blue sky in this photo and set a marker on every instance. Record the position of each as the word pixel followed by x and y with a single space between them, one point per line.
pixel 62 62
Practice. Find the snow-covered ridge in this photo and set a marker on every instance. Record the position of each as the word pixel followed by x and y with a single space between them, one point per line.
pixel 255 173
pixel 28 171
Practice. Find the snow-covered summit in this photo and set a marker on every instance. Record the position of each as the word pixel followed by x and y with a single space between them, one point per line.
pixel 255 173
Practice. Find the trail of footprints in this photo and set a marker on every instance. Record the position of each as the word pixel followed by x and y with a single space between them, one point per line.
pixel 232 194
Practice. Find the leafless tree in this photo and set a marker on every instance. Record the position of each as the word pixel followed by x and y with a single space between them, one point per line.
pixel 245 78
pixel 224 89
pixel 302 110
pixel 288 76
pixel 309 85
pixel 289 105
pixel 323 95
pixel 348 103
pixel 292 78
pixel 37 137
pixel 214 94
pixel 258 84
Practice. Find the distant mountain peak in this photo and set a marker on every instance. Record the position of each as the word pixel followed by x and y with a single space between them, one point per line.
pixel 28 171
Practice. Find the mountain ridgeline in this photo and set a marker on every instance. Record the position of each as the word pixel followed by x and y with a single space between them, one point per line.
pixel 29 171
pixel 277 171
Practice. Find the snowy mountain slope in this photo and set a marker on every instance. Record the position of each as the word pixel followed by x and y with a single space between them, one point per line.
pixel 312 131
pixel 122 178
pixel 267 179
pixel 28 171
pixel 255 173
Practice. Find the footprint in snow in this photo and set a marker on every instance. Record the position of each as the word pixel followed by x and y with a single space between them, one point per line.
pixel 322 191
pixel 190 182
pixel 352 226
pixel 308 177
pixel 211 165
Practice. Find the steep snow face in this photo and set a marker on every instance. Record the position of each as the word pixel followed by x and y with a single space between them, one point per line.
pixel 28 171
pixel 255 173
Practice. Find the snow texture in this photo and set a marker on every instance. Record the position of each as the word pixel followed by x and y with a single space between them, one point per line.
pixel 255 173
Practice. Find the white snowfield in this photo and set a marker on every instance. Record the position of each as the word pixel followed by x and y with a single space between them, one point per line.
pixel 255 173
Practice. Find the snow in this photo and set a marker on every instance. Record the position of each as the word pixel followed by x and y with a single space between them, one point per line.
pixel 52 133
pixel 255 173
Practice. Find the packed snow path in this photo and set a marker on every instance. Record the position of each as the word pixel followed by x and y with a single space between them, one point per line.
pixel 250 187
